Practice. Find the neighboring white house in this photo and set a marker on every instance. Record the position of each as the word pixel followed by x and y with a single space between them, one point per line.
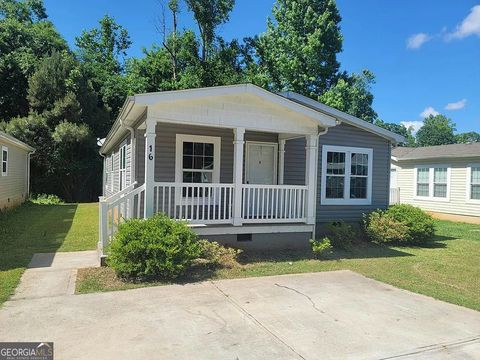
pixel 244 166
pixel 15 171
pixel 443 179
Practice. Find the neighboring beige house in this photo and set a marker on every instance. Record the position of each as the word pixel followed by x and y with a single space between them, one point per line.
pixel 442 179
pixel 15 171
pixel 244 166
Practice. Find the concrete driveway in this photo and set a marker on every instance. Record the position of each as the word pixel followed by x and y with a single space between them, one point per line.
pixel 333 315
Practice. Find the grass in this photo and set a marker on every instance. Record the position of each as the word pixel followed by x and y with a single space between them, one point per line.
pixel 446 269
pixel 33 228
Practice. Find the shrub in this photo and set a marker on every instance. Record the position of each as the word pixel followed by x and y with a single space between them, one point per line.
pixel 322 247
pixel 44 199
pixel 421 226
pixel 158 247
pixel 381 227
pixel 215 254
pixel 341 234
pixel 400 223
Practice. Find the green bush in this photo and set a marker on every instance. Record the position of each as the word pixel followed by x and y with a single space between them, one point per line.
pixel 214 254
pixel 158 247
pixel 322 247
pixel 381 227
pixel 342 235
pixel 44 199
pixel 400 223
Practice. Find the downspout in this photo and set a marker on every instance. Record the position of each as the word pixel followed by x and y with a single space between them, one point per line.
pixel 320 133
pixel 104 183
pixel 29 154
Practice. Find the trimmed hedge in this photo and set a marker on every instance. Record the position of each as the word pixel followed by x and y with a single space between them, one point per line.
pixel 400 223
pixel 158 247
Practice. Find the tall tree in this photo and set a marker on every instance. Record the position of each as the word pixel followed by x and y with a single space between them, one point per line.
pixel 467 137
pixel 102 53
pixel 352 94
pixel 26 36
pixel 299 50
pixel 209 14
pixel 436 130
pixel 400 129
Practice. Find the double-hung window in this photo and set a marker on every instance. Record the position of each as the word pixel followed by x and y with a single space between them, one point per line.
pixel 123 167
pixel 197 162
pixel 432 182
pixel 473 183
pixel 4 161
pixel 346 175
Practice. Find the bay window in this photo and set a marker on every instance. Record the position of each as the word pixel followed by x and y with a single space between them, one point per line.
pixel 346 175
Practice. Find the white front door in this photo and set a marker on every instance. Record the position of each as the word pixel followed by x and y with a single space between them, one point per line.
pixel 260 169
pixel 261 163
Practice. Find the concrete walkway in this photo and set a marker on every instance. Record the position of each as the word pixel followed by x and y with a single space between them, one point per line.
pixel 331 315
pixel 53 274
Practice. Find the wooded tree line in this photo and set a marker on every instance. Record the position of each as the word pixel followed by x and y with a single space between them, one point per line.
pixel 62 100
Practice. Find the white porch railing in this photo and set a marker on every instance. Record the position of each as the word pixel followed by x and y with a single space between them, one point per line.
pixel 204 204
pixel 118 208
pixel 394 196
pixel 274 203
pixel 195 203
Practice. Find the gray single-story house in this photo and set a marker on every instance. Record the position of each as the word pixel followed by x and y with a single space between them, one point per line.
pixel 244 166
pixel 439 179
pixel 15 171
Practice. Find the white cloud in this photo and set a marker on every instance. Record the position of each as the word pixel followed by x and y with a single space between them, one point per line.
pixel 469 26
pixel 429 111
pixel 415 125
pixel 456 105
pixel 417 40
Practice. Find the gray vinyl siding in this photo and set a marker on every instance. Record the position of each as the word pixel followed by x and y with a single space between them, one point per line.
pixel 346 135
pixel 165 144
pixel 295 158
pixel 13 187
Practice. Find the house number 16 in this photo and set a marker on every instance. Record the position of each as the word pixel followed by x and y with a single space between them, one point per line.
pixel 150 152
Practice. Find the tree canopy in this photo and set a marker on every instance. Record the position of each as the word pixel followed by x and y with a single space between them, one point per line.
pixel 61 100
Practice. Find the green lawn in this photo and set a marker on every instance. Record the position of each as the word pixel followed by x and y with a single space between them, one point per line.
pixel 447 268
pixel 42 228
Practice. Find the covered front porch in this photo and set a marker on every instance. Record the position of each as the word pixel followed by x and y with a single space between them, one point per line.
pixel 246 161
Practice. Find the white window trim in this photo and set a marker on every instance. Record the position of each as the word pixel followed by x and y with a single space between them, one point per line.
pixel 122 172
pixel 5 148
pixel 469 184
pixel 346 199
pixel 275 158
pixel 180 139
pixel 431 173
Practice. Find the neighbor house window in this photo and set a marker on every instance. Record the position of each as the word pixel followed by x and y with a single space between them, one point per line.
pixel 474 182
pixel 4 161
pixel 197 161
pixel 346 175
pixel 432 182
pixel 123 166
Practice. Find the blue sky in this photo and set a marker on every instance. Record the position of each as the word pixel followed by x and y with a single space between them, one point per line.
pixel 425 54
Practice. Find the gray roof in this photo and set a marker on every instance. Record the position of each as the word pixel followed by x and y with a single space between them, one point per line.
pixel 437 152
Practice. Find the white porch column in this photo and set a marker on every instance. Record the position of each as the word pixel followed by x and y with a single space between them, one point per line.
pixel 311 176
pixel 281 161
pixel 238 145
pixel 149 167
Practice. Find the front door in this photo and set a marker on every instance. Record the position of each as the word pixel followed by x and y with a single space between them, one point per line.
pixel 260 169
pixel 261 163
